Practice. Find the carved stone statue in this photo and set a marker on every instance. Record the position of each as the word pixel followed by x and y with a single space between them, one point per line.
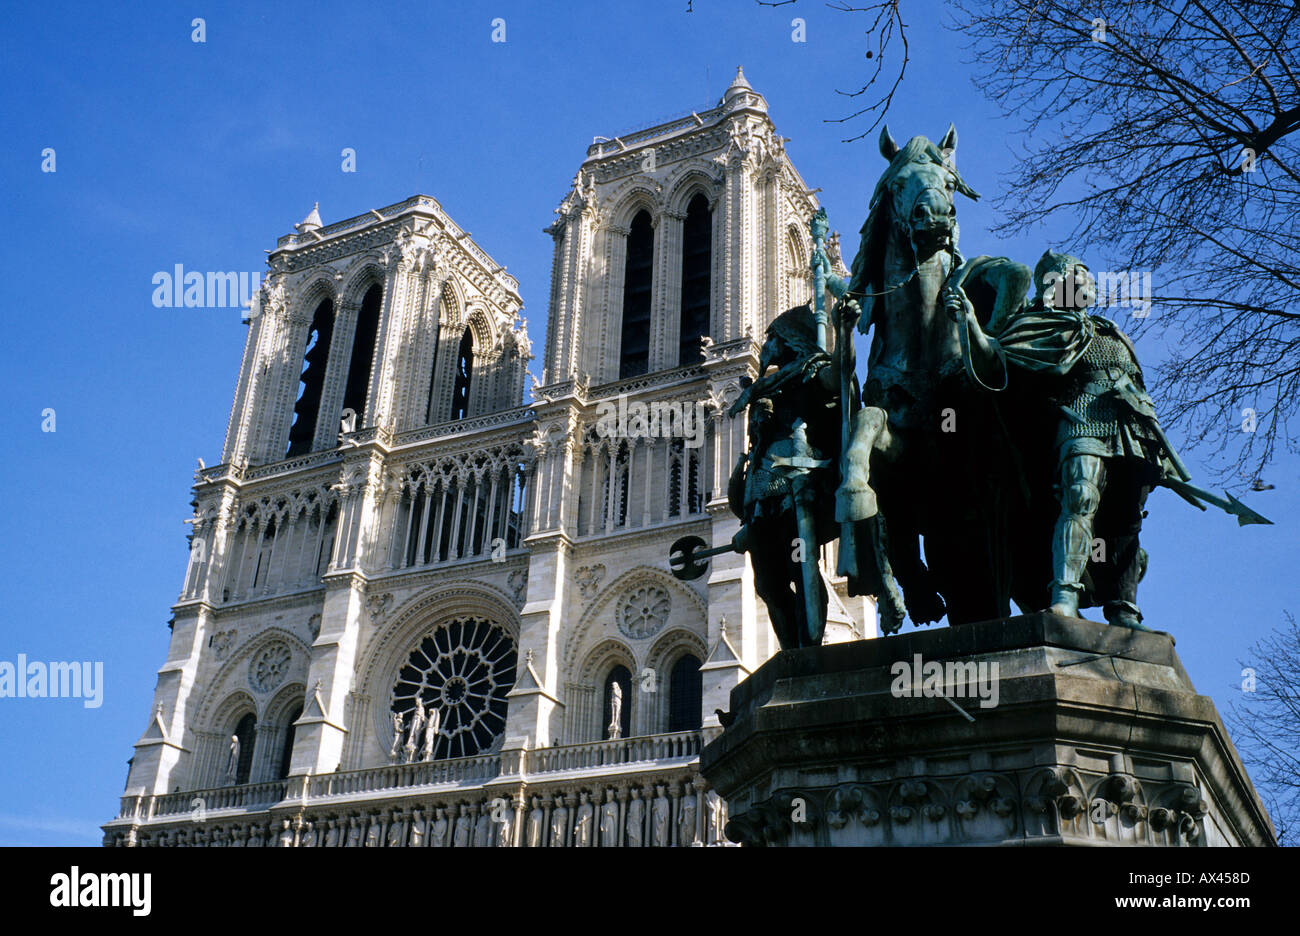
pixel 397 830
pixel 464 828
pixel 609 821
pixel 483 826
pixel 659 812
pixel 635 820
pixel 286 833
pixel 686 820
pixel 441 826
pixel 257 836
pixel 583 821
pixel 310 834
pixel 417 828
pixel 615 711
pixel 431 732
pixel 536 817
pixel 413 734
pixel 331 834
pixel 559 823
pixel 717 818
pixel 373 839
pixel 354 832
pixel 395 752
pixel 503 828
pixel 232 762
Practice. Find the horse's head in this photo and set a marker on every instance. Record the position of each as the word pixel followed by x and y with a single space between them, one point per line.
pixel 919 190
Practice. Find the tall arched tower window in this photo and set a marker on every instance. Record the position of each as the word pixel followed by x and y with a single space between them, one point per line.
pixel 623 676
pixel 246 732
pixel 464 371
pixel 634 348
pixel 429 415
pixel 363 353
pixel 697 245
pixel 312 380
pixel 798 278
pixel 286 753
pixel 685 694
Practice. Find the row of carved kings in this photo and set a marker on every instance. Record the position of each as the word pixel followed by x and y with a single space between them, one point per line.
pixel 979 807
pixel 662 814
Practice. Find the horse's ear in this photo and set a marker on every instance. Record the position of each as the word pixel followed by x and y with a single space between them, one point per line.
pixel 949 141
pixel 888 145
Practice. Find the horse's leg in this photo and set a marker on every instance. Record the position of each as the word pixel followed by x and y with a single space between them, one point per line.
pixel 890 603
pixel 854 499
pixel 900 495
pixel 959 554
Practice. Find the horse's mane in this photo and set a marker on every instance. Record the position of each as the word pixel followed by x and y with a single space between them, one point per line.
pixel 867 274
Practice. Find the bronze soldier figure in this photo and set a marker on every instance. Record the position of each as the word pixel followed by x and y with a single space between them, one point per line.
pixel 1109 449
pixel 783 487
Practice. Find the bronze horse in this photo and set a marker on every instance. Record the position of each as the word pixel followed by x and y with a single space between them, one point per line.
pixel 917 460
pixel 925 465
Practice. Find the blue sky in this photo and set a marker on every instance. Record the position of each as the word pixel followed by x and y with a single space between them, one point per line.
pixel 170 151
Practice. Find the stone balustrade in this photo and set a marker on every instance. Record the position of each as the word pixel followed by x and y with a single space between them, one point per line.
pixel 244 796
pixel 405 776
pixel 654 796
pixel 682 744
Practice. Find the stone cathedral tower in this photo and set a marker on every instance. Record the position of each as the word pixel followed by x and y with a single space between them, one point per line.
pixel 418 612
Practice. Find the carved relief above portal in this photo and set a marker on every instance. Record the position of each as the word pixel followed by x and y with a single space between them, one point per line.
pixel 589 579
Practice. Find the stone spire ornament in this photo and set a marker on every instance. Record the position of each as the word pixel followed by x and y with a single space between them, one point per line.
pixel 310 223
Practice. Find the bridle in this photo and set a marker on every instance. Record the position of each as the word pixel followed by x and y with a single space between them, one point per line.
pixel 898 222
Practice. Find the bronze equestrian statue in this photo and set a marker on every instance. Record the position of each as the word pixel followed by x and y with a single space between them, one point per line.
pixel 1012 438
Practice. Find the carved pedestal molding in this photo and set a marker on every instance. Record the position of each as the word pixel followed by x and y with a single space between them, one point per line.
pixel 1097 738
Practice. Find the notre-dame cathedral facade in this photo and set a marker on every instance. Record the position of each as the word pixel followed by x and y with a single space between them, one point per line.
pixel 418 612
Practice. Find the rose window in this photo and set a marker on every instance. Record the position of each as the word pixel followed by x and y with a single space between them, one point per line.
pixel 644 611
pixel 269 667
pixel 462 671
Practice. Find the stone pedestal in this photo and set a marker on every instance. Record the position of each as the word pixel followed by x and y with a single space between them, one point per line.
pixel 1031 730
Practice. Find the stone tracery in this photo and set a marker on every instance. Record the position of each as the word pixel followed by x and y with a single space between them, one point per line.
pixel 644 611
pixel 463 670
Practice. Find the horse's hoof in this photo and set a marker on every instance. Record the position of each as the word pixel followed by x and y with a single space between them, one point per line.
pixel 929 608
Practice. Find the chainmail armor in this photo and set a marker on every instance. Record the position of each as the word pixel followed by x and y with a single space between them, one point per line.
pixel 1090 391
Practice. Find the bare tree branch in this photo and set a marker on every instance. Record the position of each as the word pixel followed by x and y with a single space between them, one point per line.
pixel 1266 726
pixel 1164 136
pixel 887 26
